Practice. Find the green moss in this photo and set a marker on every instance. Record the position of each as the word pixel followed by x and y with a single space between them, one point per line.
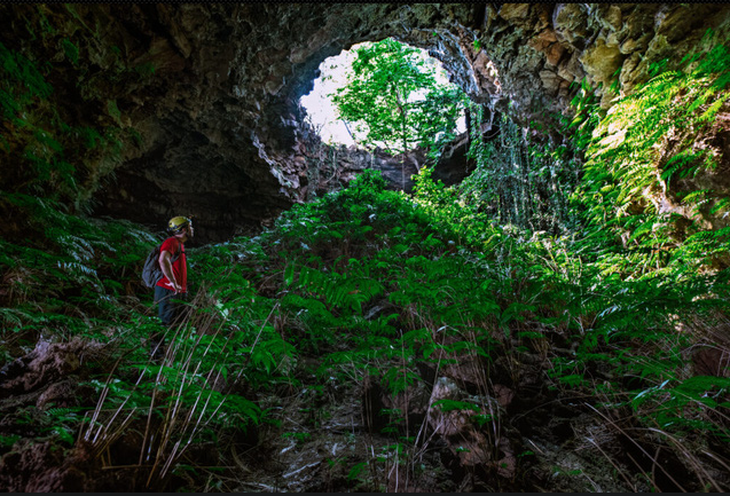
pixel 43 146
pixel 111 106
pixel 46 27
pixel 71 50
pixel 90 136
pixel 136 136
pixel 145 70
pixel 10 105
pixel 21 77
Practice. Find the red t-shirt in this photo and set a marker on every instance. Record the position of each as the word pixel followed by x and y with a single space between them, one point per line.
pixel 179 267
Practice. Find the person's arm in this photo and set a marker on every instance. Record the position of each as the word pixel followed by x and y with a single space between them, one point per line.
pixel 165 261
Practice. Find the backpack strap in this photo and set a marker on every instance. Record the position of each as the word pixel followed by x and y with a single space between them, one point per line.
pixel 180 252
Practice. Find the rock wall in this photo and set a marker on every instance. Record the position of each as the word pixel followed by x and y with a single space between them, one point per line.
pixel 210 91
pixel 542 51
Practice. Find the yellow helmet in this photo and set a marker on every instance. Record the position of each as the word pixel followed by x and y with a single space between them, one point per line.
pixel 177 224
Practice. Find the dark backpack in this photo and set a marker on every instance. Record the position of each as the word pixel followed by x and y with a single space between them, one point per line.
pixel 151 271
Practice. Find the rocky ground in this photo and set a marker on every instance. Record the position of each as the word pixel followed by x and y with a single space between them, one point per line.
pixel 330 437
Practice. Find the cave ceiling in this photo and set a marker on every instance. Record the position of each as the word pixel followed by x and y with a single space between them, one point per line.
pixel 211 90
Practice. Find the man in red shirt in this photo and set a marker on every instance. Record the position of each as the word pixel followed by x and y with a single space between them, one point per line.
pixel 174 283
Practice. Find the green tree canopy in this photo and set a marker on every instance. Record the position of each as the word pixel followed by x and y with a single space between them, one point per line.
pixel 393 100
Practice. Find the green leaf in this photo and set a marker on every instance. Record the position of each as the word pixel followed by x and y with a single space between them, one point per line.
pixel 447 405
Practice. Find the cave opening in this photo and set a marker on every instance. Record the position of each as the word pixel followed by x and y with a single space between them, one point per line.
pixel 335 73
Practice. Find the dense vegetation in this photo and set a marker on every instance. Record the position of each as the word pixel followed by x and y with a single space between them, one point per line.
pixel 585 298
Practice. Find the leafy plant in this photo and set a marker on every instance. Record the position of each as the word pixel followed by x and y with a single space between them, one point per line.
pixel 647 149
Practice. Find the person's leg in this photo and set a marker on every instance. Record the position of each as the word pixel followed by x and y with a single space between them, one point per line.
pixel 166 312
pixel 180 312
pixel 165 305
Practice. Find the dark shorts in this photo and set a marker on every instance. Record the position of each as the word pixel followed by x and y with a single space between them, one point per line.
pixel 169 305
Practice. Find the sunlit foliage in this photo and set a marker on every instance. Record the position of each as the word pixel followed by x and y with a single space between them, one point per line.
pixel 394 101
pixel 651 160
